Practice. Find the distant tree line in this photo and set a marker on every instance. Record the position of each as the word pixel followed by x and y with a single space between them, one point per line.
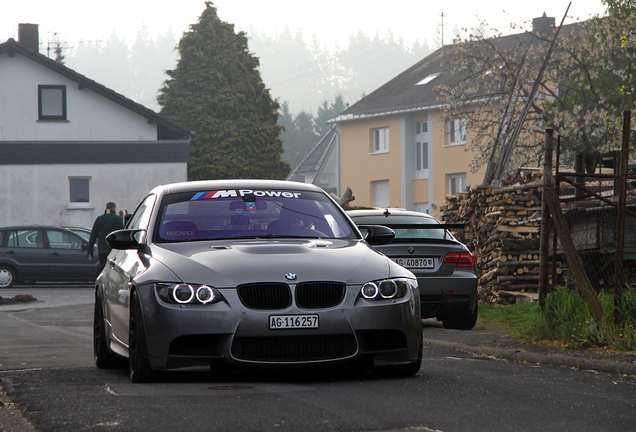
pixel 303 130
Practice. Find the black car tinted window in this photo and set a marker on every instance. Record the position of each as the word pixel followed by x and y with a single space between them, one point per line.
pixel 394 221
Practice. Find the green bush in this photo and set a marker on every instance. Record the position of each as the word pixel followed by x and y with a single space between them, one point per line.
pixel 567 317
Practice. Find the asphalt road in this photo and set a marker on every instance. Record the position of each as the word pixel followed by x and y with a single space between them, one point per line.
pixel 47 371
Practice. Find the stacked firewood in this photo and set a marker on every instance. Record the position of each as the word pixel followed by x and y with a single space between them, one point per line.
pixel 502 231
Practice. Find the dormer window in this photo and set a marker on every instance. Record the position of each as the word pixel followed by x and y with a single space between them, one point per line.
pixel 51 102
pixel 428 79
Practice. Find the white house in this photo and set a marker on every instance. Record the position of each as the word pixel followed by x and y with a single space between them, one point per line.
pixel 68 145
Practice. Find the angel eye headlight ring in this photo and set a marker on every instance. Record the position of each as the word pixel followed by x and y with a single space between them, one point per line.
pixel 192 294
pixel 388 288
pixel 205 294
pixel 183 293
pixel 369 290
pixel 385 289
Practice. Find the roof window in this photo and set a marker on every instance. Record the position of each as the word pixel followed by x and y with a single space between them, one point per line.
pixel 428 79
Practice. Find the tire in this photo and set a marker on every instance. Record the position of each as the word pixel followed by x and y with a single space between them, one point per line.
pixel 138 359
pixel 461 320
pixel 104 359
pixel 403 370
pixel 8 277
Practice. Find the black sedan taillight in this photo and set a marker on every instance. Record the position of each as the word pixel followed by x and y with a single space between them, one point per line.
pixel 461 259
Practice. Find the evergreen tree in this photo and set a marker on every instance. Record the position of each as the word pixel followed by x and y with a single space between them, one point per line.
pixel 217 91
pixel 299 136
pixel 59 54
pixel 326 112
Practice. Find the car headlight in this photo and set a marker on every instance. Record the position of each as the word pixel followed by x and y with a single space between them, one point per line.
pixel 386 289
pixel 187 293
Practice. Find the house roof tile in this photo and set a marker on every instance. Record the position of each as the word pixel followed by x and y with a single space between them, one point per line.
pixel 403 94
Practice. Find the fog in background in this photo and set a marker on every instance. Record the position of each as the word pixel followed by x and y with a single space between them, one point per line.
pixel 299 73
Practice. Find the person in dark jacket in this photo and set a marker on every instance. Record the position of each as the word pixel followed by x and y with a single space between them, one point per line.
pixel 105 224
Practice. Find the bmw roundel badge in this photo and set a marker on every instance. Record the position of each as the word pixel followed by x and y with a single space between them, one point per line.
pixel 411 250
pixel 291 276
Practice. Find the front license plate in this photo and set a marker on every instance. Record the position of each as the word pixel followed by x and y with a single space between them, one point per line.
pixel 277 322
pixel 423 263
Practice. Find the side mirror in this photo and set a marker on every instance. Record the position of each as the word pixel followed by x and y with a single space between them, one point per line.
pixel 377 235
pixel 126 239
pixel 84 246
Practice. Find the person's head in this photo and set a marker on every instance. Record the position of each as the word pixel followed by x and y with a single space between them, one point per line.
pixel 111 206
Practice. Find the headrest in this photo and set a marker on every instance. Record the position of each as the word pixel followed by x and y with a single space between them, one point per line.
pixel 179 231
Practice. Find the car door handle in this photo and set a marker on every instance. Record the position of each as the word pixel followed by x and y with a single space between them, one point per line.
pixel 54 253
pixel 10 253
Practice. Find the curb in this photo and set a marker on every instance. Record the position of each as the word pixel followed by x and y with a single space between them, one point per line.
pixel 604 366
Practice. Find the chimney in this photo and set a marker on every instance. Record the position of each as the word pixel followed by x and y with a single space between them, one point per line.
pixel 29 36
pixel 543 24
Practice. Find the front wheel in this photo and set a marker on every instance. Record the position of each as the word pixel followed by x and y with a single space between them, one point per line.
pixel 104 359
pixel 138 359
pixel 8 277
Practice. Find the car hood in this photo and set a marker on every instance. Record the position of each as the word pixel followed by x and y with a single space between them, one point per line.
pixel 231 263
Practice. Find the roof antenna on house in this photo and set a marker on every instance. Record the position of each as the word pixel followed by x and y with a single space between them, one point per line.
pixel 48 42
pixel 442 26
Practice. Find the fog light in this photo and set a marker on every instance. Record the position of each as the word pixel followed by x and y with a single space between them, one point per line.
pixel 205 294
pixel 183 293
pixel 369 290
pixel 388 288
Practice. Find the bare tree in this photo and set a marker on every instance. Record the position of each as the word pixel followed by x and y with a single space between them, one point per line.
pixel 582 94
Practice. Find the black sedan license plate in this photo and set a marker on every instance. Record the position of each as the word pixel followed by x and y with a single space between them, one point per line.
pixel 415 262
pixel 277 322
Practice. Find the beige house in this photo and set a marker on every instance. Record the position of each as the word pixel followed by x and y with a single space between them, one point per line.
pixel 397 149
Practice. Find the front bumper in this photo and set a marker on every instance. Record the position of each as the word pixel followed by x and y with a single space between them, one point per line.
pixel 200 337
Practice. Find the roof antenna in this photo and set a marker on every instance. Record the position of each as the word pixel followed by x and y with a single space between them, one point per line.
pixel 442 15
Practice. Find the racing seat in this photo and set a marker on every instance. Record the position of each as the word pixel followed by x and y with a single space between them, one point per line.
pixel 179 231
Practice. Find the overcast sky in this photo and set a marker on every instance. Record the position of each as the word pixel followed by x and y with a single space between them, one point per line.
pixel 331 20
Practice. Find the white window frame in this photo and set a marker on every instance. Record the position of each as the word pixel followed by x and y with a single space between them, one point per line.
pixel 380 140
pixel 422 150
pixel 381 193
pixel 456 183
pixel 52 103
pixel 80 204
pixel 457 131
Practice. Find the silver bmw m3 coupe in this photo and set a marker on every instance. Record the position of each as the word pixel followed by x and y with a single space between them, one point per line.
pixel 219 274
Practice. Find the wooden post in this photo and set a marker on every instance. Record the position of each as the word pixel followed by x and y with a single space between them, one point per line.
pixel 545 217
pixel 619 236
pixel 560 226
pixel 555 240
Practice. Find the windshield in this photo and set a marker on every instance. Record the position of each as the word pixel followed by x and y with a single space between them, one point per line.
pixel 244 213
pixel 424 229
